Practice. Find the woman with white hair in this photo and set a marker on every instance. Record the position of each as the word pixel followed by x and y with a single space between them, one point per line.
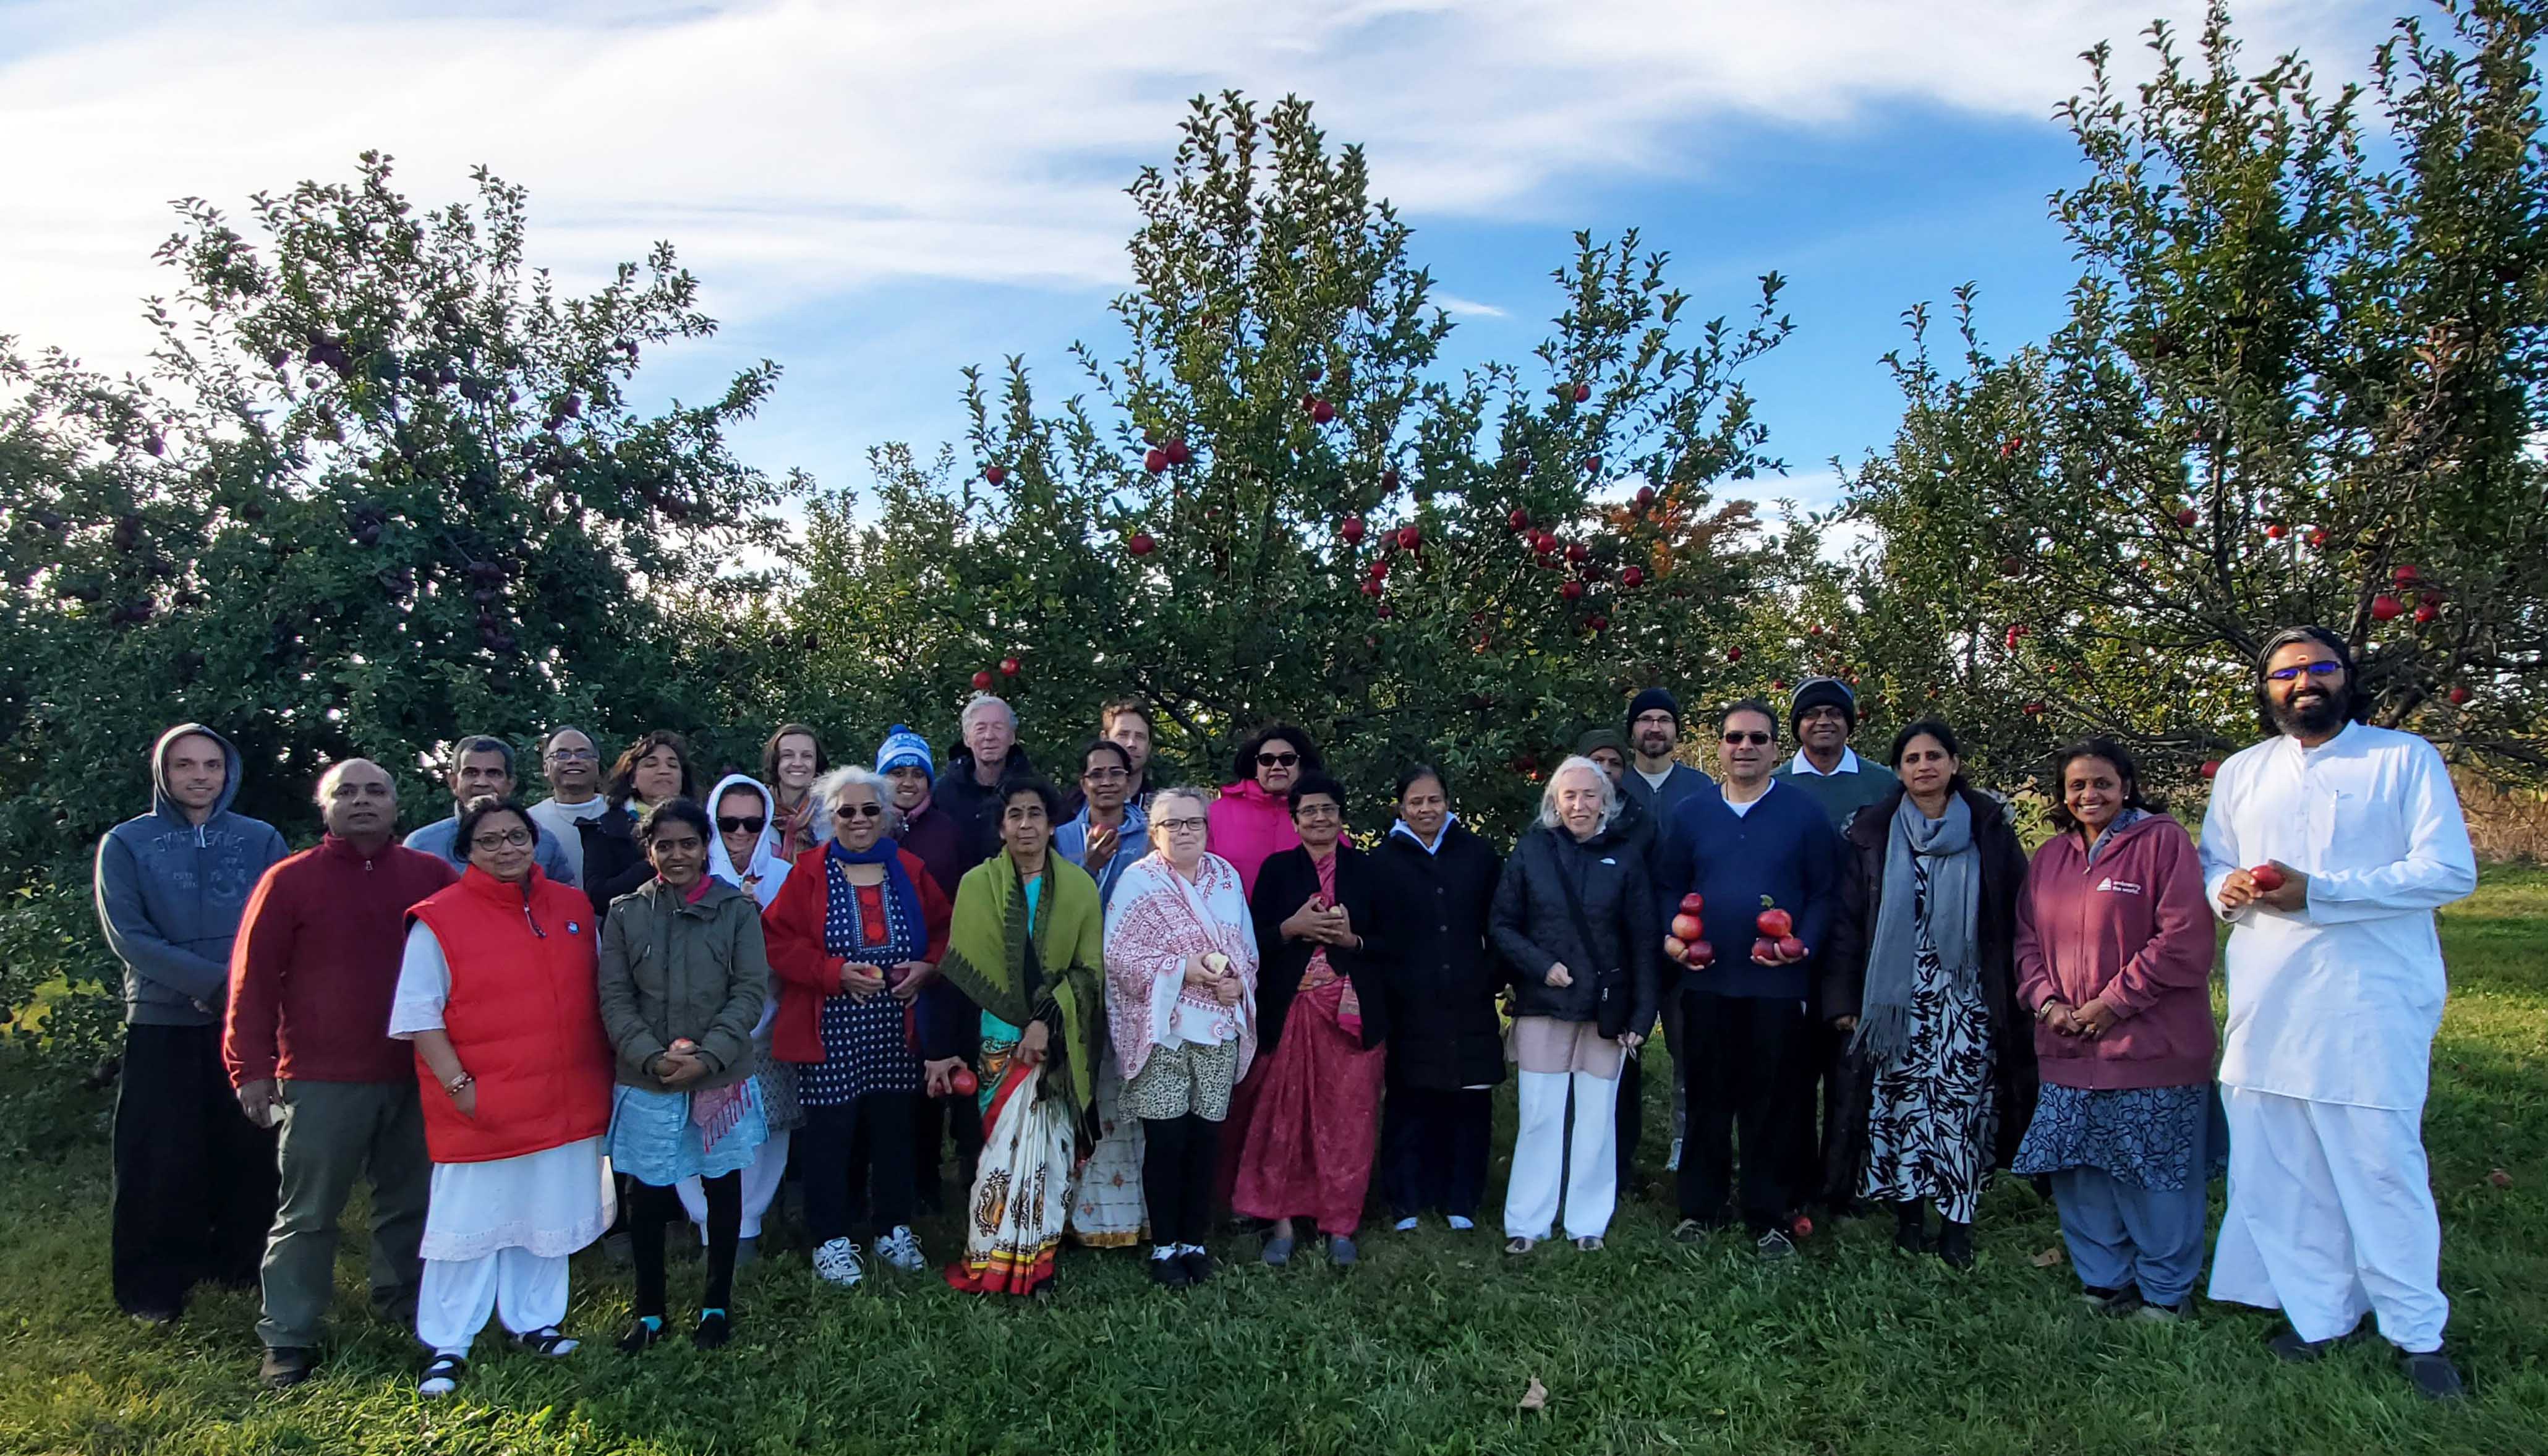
pixel 849 930
pixel 747 851
pixel 1573 918
pixel 1180 1002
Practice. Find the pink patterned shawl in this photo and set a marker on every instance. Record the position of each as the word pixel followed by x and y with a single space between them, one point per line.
pixel 1156 920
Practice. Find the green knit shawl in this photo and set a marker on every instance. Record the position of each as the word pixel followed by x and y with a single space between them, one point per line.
pixel 1061 984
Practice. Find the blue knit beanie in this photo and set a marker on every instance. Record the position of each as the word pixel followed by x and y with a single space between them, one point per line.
pixel 902 749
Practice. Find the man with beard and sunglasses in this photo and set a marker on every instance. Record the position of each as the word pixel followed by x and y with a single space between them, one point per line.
pixel 2327 847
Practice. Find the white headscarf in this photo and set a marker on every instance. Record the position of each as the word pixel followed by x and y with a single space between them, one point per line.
pixel 768 870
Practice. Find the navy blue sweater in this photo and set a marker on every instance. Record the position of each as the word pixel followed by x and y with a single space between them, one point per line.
pixel 1784 849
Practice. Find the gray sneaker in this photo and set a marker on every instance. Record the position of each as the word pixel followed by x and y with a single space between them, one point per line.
pixel 836 1262
pixel 901 1248
pixel 1341 1251
pixel 1775 1244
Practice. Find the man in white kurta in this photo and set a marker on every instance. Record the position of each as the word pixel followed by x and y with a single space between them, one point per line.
pixel 2336 991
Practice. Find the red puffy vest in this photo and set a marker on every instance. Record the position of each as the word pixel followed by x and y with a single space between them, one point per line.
pixel 524 1015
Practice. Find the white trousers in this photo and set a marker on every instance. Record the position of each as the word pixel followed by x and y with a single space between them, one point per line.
pixel 1542 1156
pixel 762 1179
pixel 2331 1217
pixel 458 1295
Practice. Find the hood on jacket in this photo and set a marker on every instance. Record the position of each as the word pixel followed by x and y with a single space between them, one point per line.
pixel 768 869
pixel 161 801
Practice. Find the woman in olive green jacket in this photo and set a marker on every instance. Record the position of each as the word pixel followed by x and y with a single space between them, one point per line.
pixel 683 973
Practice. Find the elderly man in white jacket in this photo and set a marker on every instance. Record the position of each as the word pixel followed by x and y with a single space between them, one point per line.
pixel 2327 847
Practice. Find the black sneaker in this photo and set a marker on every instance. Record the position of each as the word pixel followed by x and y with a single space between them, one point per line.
pixel 1910 1227
pixel 2108 1301
pixel 286 1366
pixel 716 1327
pixel 2294 1350
pixel 1775 1244
pixel 1198 1267
pixel 1956 1244
pixel 2434 1376
pixel 1169 1271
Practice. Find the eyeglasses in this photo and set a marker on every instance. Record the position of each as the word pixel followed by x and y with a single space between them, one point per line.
pixel 1105 775
pixel 1317 811
pixel 859 811
pixel 1737 739
pixel 738 824
pixel 2314 670
pixel 1180 826
pixel 1277 761
pixel 572 756
pixel 510 839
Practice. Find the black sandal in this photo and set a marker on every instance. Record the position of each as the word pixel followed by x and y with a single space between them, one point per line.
pixel 441 1376
pixel 548 1340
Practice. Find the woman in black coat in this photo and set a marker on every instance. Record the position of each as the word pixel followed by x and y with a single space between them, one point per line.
pixel 1929 1106
pixel 655 769
pixel 1574 919
pixel 1446 1046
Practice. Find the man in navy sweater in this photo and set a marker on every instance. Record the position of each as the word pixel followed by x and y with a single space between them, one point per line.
pixel 1748 845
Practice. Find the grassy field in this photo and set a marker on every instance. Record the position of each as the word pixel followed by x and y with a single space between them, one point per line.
pixel 1428 1347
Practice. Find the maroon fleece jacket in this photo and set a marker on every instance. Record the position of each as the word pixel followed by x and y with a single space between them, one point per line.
pixel 2132 930
pixel 315 965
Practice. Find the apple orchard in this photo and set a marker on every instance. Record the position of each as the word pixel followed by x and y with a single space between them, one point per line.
pixel 383 487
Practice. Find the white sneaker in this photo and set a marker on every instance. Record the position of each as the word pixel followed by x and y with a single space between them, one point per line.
pixel 1406 1225
pixel 901 1248
pixel 1672 1164
pixel 1461 1224
pixel 838 1262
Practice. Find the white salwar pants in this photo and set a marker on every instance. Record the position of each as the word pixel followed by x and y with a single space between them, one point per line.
pixel 762 1180
pixel 458 1295
pixel 1542 1158
pixel 2331 1217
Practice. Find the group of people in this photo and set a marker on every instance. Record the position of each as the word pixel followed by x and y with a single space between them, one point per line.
pixel 1133 1006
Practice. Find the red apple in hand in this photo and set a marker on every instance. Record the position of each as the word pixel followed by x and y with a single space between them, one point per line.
pixel 1774 923
pixel 1676 950
pixel 1700 954
pixel 964 1081
pixel 1765 951
pixel 1692 904
pixel 1790 948
pixel 1685 927
pixel 2267 879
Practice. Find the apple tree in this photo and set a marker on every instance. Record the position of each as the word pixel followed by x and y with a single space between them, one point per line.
pixel 380 485
pixel 2301 380
pixel 1275 502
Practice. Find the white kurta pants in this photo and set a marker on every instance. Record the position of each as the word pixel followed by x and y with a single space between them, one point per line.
pixel 530 1289
pixel 1542 1158
pixel 2331 1217
pixel 762 1180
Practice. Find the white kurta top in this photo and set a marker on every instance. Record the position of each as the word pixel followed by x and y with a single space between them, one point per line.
pixel 2338 1002
pixel 552 1201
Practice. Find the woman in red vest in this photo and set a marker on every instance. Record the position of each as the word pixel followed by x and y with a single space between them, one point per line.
pixel 497 991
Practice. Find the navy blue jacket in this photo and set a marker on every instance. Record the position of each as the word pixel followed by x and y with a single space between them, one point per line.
pixel 1782 849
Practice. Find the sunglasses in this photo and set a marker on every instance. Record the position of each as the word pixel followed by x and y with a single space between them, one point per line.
pixel 859 811
pixel 1277 761
pixel 2314 670
pixel 737 824
pixel 1737 739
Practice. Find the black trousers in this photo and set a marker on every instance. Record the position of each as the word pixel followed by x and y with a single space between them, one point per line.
pixel 854 1159
pixel 1433 1149
pixel 650 1208
pixel 195 1181
pixel 1740 1077
pixel 1628 1126
pixel 934 1120
pixel 1829 1175
pixel 1178 1159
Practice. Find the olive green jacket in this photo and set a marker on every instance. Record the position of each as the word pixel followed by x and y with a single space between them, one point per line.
pixel 671 968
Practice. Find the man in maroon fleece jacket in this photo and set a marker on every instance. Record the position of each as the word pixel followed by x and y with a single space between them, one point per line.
pixel 312 975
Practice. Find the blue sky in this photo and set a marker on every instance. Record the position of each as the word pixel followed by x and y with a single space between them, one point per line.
pixel 877 195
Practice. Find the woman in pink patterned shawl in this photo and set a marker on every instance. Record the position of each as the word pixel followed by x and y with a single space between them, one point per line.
pixel 1181 1005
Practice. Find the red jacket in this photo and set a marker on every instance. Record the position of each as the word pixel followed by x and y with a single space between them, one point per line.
pixel 792 928
pixel 317 964
pixel 524 1015
pixel 2133 931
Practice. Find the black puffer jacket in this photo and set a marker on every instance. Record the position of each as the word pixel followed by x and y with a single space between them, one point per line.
pixel 1534 928
pixel 1443 1031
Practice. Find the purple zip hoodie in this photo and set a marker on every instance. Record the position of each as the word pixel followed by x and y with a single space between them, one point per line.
pixel 2130 928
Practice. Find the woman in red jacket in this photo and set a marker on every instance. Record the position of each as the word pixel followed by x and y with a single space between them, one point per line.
pixel 497 990
pixel 2114 956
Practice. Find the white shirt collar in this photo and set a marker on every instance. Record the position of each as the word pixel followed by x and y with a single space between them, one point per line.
pixel 1802 766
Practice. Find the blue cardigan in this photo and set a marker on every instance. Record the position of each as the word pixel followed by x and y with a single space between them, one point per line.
pixel 1784 849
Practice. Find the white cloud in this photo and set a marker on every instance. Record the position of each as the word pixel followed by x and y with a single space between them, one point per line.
pixel 1460 308
pixel 798 151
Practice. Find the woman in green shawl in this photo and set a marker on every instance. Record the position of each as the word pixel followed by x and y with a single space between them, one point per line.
pixel 1027 947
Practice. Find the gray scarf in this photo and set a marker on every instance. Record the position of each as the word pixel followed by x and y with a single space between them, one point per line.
pixel 1954 894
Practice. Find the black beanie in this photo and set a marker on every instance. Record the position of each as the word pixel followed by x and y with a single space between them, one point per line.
pixel 1816 693
pixel 1651 699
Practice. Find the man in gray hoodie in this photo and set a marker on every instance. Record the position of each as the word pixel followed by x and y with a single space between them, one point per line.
pixel 194 1179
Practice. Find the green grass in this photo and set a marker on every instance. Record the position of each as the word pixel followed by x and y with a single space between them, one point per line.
pixel 1646 1347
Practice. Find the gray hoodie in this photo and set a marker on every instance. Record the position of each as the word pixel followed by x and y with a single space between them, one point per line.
pixel 169 894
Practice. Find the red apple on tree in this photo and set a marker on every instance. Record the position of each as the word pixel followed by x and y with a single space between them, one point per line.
pixel 1519 521
pixel 2385 607
pixel 1591 465
pixel 2458 695
pixel 1177 451
pixel 1734 654
pixel 1008 667
pixel 1351 528
pixel 1634 575
pixel 1571 591
pixel 982 680
pixel 2317 538
pixel 2187 516
pixel 1596 623
pixel 1583 391
pixel 2404 576
pixel 1372 588
pixel 996 475
pixel 1409 537
pixel 1576 552
pixel 1155 461
pixel 2426 611
pixel 1320 411
pixel 2273 533
pixel 1645 496
pixel 1143 543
